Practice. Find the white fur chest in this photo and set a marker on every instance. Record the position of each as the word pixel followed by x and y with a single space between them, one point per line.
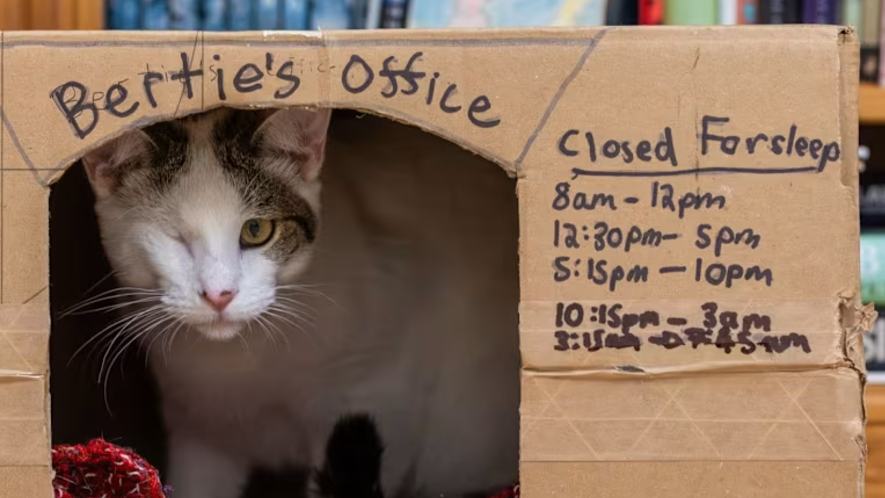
pixel 274 402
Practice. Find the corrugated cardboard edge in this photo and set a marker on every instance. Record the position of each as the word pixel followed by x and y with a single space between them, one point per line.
pixel 27 481
pixel 856 319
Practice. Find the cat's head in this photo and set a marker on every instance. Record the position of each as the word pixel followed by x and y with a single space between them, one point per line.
pixel 213 211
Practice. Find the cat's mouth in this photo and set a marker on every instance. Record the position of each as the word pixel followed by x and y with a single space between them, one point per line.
pixel 221 329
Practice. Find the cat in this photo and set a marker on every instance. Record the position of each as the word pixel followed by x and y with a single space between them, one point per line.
pixel 280 275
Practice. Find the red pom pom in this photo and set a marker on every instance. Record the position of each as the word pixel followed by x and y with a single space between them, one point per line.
pixel 508 493
pixel 102 470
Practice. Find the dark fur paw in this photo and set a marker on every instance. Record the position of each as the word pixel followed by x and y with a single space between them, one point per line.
pixel 352 468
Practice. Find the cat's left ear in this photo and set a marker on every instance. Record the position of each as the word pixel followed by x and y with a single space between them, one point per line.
pixel 108 164
pixel 298 134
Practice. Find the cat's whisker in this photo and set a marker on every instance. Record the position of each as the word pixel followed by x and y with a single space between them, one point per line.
pixel 119 306
pixel 109 329
pixel 119 335
pixel 106 343
pixel 269 327
pixel 149 348
pixel 286 312
pixel 312 285
pixel 127 339
pixel 167 321
pixel 112 290
pixel 174 335
pixel 265 330
pixel 169 337
pixel 295 298
pixel 145 328
pixel 310 291
pixel 100 281
pixel 142 322
pixel 296 314
pixel 300 306
pixel 244 343
pixel 196 343
pixel 112 294
pixel 279 332
pixel 135 336
pixel 274 312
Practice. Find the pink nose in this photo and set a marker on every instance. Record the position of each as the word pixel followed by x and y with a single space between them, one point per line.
pixel 219 300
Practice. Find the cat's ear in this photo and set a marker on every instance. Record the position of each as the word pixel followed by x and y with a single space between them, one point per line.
pixel 107 164
pixel 297 134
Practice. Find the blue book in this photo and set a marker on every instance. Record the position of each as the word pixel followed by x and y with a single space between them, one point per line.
pixel 240 15
pixel 373 14
pixel 123 14
pixel 213 15
pixel 268 14
pixel 330 14
pixel 155 14
pixel 295 14
pixel 183 14
pixel 359 12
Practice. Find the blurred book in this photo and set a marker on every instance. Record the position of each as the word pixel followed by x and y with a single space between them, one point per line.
pixel 124 14
pixel 820 11
pixel 691 12
pixel 330 14
pixel 728 12
pixel 520 13
pixel 393 14
pixel 780 11
pixel 359 14
pixel 155 14
pixel 868 32
pixel 183 15
pixel 651 12
pixel 239 15
pixel 748 11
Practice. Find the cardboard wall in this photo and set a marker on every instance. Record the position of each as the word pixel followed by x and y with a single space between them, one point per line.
pixel 668 403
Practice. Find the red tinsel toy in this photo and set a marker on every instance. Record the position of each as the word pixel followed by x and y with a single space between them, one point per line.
pixel 508 493
pixel 100 469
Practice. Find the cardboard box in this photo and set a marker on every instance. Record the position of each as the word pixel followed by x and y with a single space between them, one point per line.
pixel 693 188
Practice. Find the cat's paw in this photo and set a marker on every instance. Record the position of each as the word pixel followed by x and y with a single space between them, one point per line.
pixel 352 466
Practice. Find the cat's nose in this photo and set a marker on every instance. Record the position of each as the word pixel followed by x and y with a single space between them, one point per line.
pixel 219 300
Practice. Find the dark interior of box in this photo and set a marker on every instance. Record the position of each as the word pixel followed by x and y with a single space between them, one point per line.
pixel 124 410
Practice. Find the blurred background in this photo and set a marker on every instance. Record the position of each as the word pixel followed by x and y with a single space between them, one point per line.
pixel 865 15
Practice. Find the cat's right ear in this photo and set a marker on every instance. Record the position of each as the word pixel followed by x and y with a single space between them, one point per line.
pixel 107 164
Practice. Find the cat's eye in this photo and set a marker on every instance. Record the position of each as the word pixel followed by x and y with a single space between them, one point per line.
pixel 256 232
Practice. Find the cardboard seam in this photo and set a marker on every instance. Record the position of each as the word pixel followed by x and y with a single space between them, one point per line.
pixel 10 375
pixel 685 371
